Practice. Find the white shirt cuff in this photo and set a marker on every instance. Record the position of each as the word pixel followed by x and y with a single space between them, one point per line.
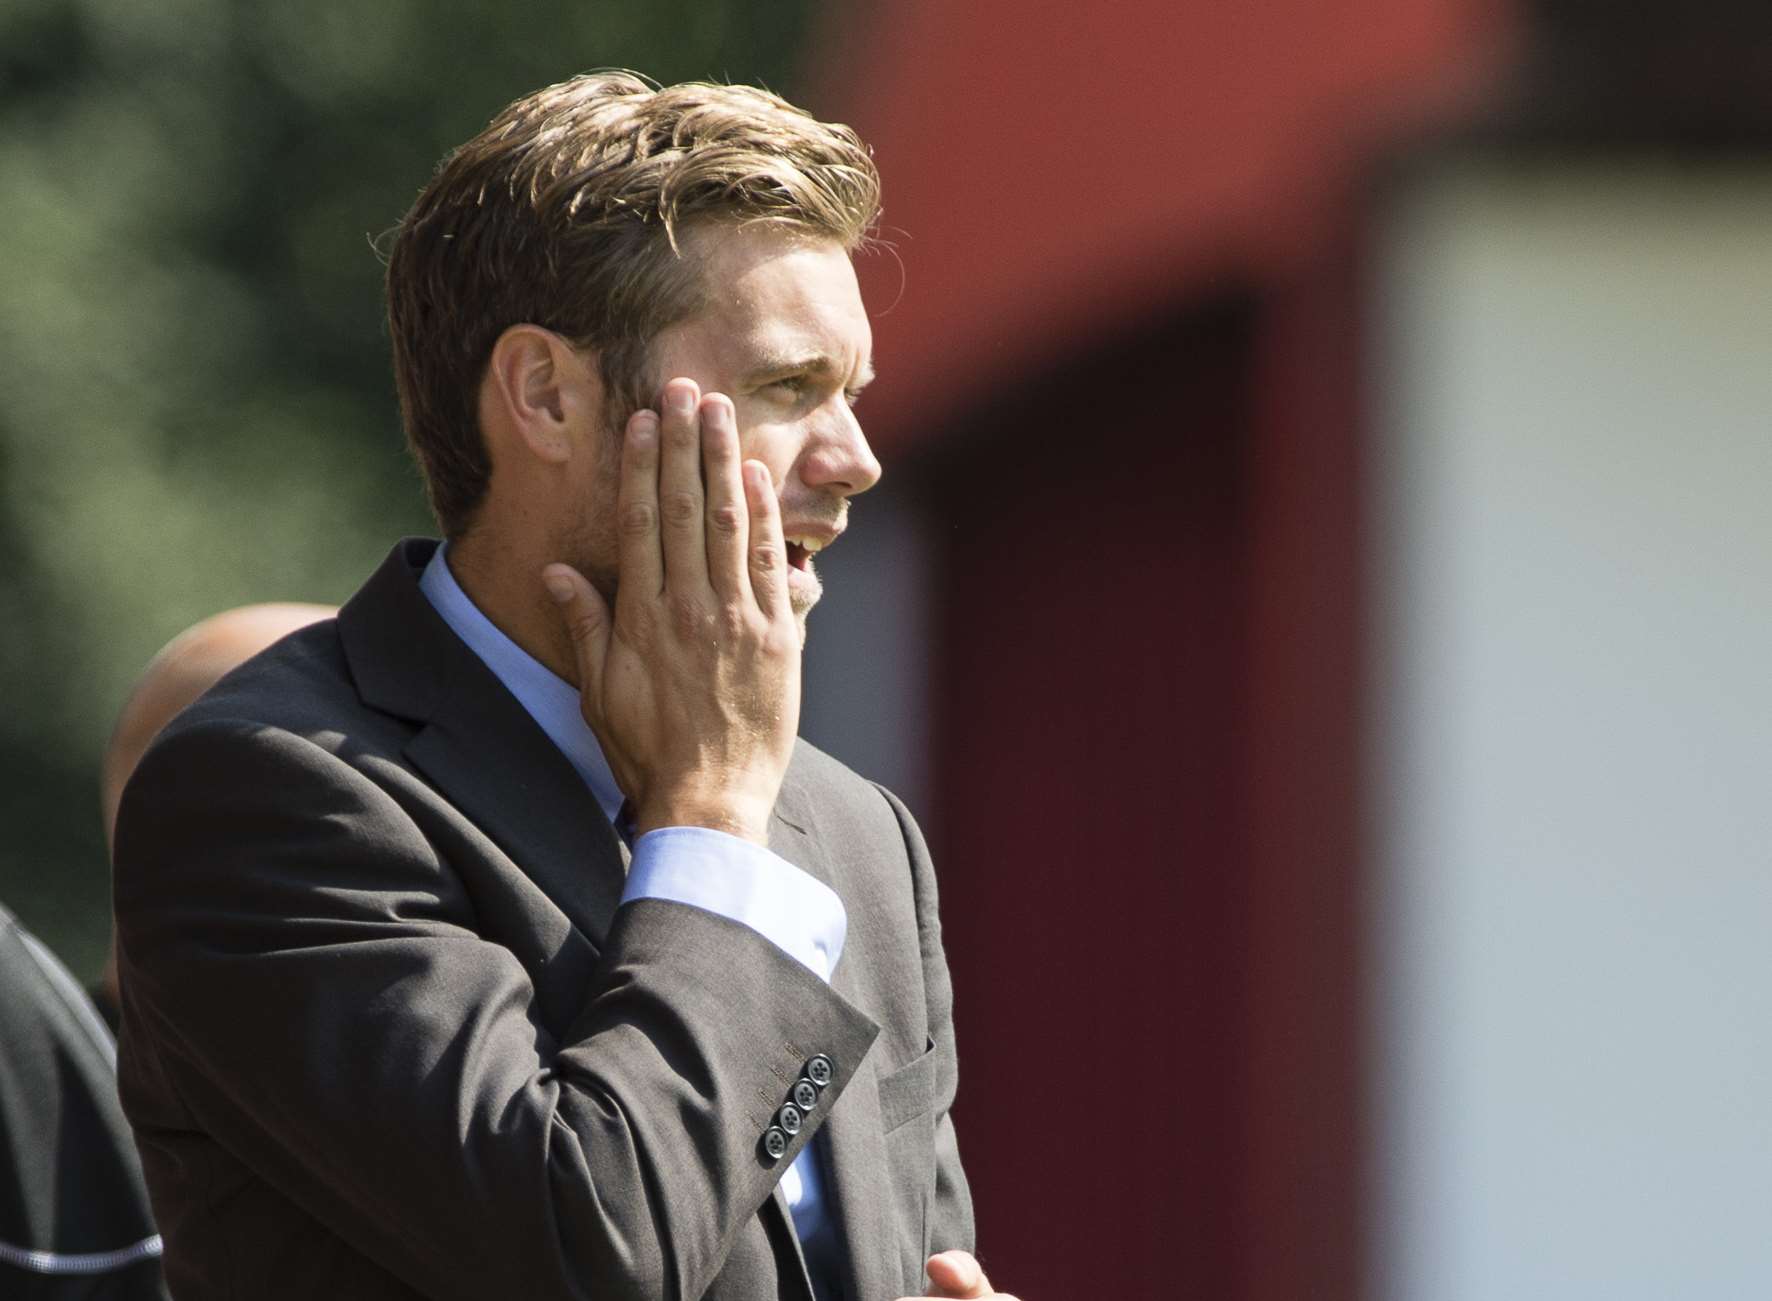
pixel 745 883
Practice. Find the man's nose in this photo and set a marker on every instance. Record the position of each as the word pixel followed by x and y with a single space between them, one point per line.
pixel 838 458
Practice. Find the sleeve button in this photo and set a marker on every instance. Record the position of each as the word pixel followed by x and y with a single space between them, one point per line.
pixel 775 1143
pixel 821 1070
pixel 805 1095
pixel 788 1118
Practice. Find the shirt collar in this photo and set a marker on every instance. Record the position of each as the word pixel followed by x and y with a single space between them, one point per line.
pixel 550 700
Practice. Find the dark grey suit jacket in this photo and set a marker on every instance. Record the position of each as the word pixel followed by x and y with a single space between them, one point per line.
pixel 386 1033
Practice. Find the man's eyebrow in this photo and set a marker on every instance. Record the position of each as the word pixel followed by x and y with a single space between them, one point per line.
pixel 814 363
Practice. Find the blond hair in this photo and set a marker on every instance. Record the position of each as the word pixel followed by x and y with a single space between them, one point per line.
pixel 565 212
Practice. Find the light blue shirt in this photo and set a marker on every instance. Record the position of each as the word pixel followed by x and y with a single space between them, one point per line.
pixel 689 865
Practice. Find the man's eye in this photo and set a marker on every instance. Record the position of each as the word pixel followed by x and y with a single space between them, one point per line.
pixel 795 384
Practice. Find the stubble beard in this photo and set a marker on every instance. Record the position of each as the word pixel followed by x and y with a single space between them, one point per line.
pixel 589 544
pixel 589 549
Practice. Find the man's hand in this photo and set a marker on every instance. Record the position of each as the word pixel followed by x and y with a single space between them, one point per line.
pixel 693 684
pixel 955 1274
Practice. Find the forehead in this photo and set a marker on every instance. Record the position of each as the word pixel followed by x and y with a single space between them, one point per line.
pixel 769 292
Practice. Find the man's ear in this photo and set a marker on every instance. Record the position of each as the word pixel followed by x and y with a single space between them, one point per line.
pixel 542 390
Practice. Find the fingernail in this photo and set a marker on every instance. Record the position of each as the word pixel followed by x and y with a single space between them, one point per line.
pixel 559 587
pixel 642 427
pixel 716 413
pixel 683 399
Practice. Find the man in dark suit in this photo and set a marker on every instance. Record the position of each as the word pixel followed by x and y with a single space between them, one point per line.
pixel 499 939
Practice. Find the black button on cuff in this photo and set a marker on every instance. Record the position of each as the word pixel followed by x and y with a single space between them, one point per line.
pixel 789 1119
pixel 821 1070
pixel 805 1095
pixel 775 1142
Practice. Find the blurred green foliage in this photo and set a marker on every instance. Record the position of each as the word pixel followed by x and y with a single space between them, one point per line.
pixel 195 404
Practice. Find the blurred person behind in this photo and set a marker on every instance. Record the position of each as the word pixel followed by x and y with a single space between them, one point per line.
pixel 74 1215
pixel 184 669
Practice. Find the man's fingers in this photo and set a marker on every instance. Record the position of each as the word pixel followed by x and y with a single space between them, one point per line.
pixel 636 508
pixel 680 497
pixel 586 616
pixel 956 1274
pixel 728 522
pixel 768 550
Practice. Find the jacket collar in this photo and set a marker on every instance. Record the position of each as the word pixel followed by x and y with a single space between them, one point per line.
pixel 478 745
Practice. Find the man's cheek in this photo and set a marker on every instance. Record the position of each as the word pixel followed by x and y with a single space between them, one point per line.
pixel 770 441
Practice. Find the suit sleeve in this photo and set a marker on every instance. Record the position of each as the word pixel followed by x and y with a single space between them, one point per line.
pixel 950 1224
pixel 304 975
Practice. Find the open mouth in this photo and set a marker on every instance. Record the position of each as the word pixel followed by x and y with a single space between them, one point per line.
pixel 801 550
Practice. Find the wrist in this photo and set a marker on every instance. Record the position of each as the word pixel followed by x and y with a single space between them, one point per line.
pixel 744 820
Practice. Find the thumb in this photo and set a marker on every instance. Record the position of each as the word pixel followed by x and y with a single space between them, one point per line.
pixel 586 615
pixel 957 1274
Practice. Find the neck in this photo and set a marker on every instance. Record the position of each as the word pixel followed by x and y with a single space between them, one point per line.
pixel 503 578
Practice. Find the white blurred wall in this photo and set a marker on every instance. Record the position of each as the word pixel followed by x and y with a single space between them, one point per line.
pixel 1573 745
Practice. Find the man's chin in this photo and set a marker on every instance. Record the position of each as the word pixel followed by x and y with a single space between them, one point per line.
pixel 804 589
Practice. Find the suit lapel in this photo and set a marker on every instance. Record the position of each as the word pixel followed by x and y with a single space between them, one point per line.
pixel 854 1146
pixel 479 746
pixel 510 781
